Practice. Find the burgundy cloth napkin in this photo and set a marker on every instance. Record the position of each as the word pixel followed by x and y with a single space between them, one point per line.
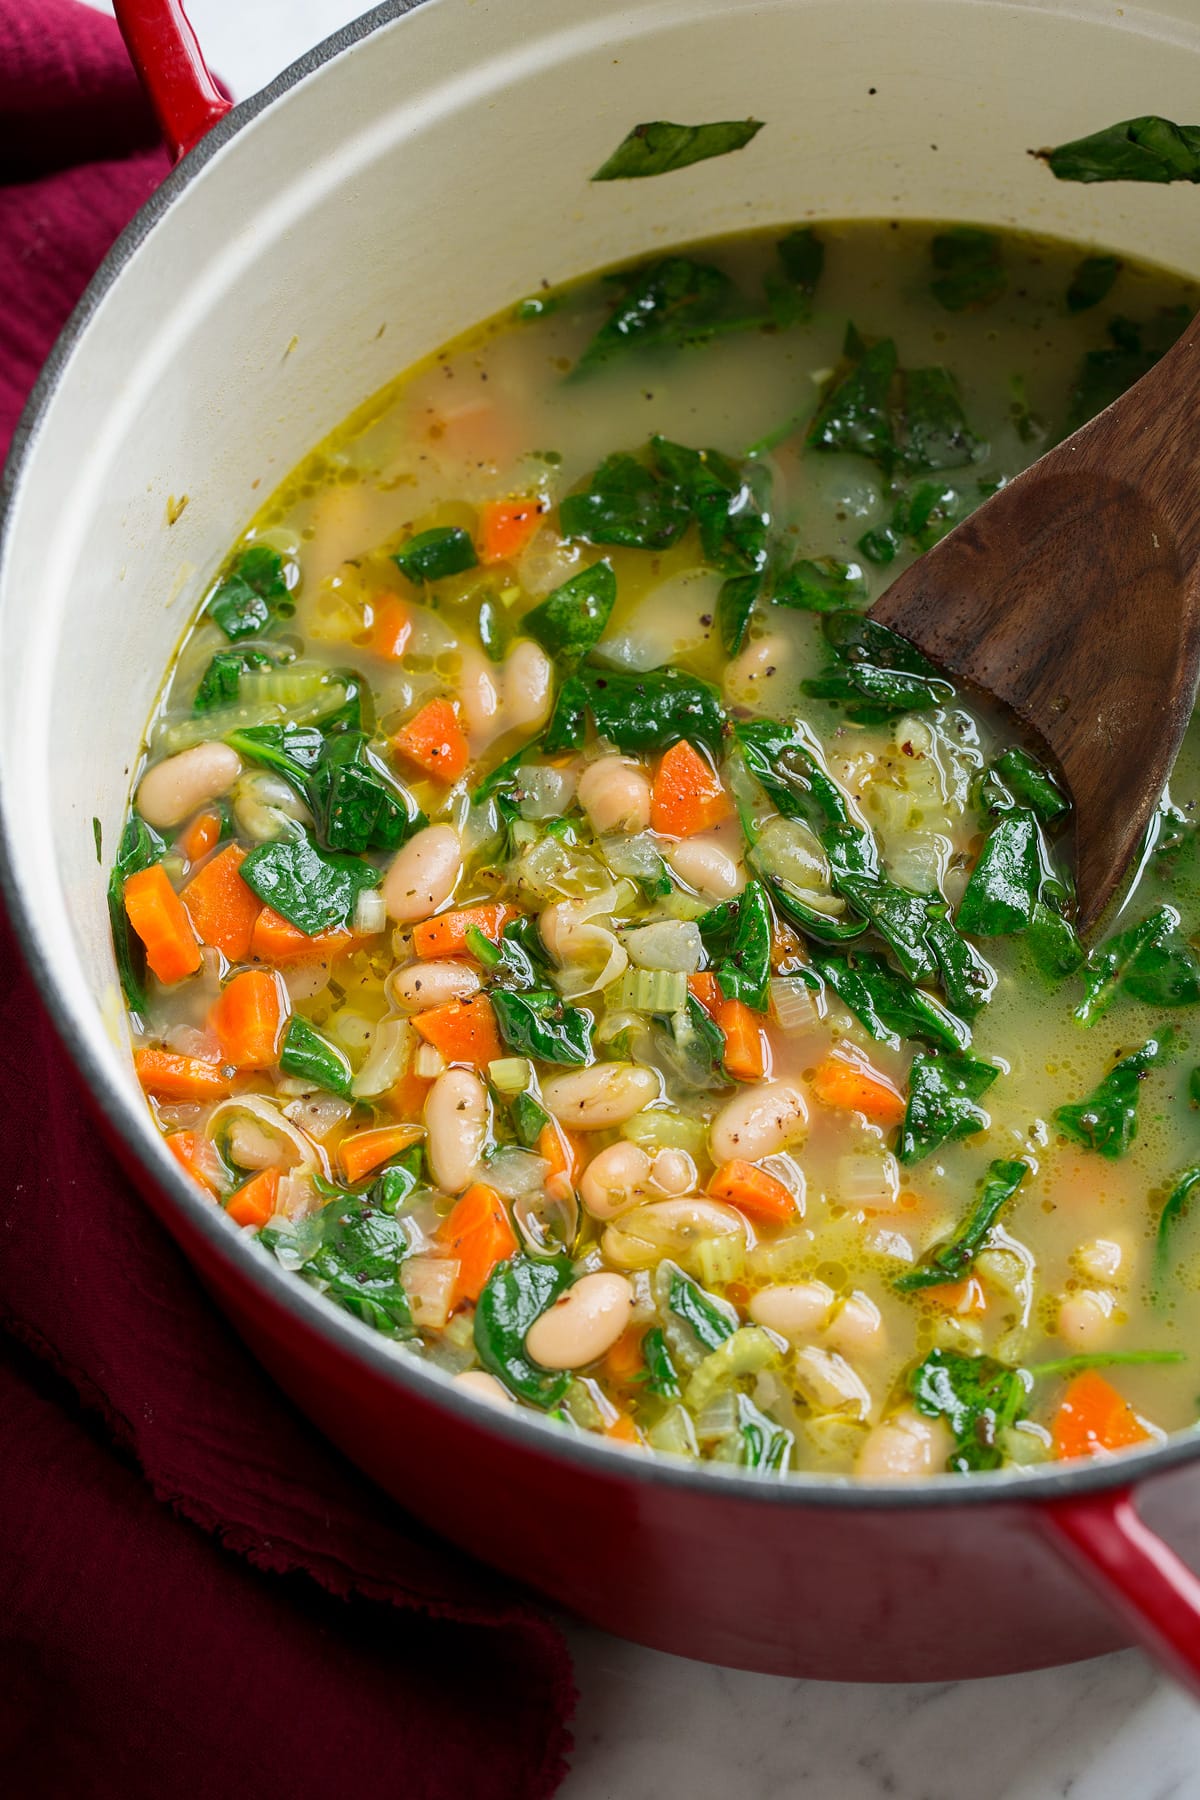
pixel 197 1595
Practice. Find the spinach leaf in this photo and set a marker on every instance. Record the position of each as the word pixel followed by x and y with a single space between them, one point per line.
pixel 711 1320
pixel 1053 943
pixel 743 926
pixel 821 585
pixel 293 751
pixel 786 764
pixel 735 608
pixel 1149 148
pixel 434 554
pixel 888 1006
pixel 529 1119
pixel 694 1048
pixel 764 1445
pixel 920 518
pixel 541 1024
pixel 1135 347
pixel 969 268
pixel 877 672
pixel 1150 961
pixel 661 1377
pixel 353 1251
pixel 402 1177
pixel 978 1398
pixel 570 622
pixel 314 890
pixel 516 1293
pixel 505 776
pixel 898 916
pixel 854 415
pixel 1174 1211
pixel 308 1056
pixel 140 847
pixel 637 712
pixel 252 595
pixel 950 1260
pixel 664 305
pixel 626 503
pixel 792 903
pixel 967 980
pixel 942 1092
pixel 790 288
pixel 1092 282
pixel 357 805
pixel 220 681
pixel 1102 1359
pixel 1003 888
pixel 658 147
pixel 931 426
pixel 1107 1120
pixel 1015 780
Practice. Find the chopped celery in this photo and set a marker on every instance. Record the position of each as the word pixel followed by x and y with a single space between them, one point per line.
pixel 674 1434
pixel 661 1130
pixel 580 1404
pixel 745 1353
pixel 648 991
pixel 510 1074
pixel 186 732
pixel 720 1260
pixel 287 685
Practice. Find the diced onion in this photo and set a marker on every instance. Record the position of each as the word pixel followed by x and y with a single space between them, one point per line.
pixel 385 1059
pixel 317 1114
pixel 513 1171
pixel 673 944
pixel 787 849
pixel 795 1004
pixel 428 1282
pixel 370 912
pixel 674 1434
pixel 428 1063
pixel 257 1106
pixel 638 856
pixel 545 793
pixel 867 1182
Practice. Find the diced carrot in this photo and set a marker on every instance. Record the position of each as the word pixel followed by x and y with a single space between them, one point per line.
pixel 463 1030
pixel 198 1156
pixel 752 1191
pixel 201 836
pixel 687 795
pixel 406 1097
pixel 745 1040
pixel 506 526
pixel 435 741
pixel 367 1150
pixel 275 939
pixel 625 1362
pixel 962 1297
pixel 854 1087
pixel 477 1230
pixel 706 989
pixel 171 1077
pixel 391 626
pixel 157 915
pixel 563 1154
pixel 222 908
pixel 247 1019
pixel 446 935
pixel 622 1430
pixel 1094 1416
pixel 254 1202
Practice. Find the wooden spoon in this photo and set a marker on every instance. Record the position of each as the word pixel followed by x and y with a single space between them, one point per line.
pixel 1073 595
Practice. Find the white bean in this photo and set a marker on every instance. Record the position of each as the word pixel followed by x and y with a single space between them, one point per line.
pixel 757 663
pixel 426 984
pixel 759 1121
pixel 674 1172
pixel 484 1387
pixel 1086 1319
pixel 172 790
pixel 904 1448
pixel 456 1120
pixel 582 1324
pixel 615 1179
pixel 614 792
pixel 606 1094
pixel 827 1380
pixel 792 1308
pixel 528 684
pixel 1104 1260
pixel 857 1327
pixel 703 865
pixel 423 874
pixel 479 700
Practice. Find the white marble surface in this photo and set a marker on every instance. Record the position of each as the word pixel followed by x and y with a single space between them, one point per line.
pixel 655 1727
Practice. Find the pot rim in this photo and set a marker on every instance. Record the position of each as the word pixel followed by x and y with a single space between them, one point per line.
pixel 519 1426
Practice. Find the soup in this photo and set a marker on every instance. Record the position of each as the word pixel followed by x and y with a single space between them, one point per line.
pixel 556 923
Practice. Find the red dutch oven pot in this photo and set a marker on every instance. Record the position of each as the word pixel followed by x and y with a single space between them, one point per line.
pixel 417 172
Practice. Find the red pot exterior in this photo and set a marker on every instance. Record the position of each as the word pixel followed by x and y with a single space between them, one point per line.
pixel 769 1583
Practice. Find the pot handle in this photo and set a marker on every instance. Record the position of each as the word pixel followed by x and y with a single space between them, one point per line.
pixel 171 68
pixel 1151 1588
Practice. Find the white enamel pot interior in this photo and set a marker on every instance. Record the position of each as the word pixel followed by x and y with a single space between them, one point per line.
pixel 418 174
